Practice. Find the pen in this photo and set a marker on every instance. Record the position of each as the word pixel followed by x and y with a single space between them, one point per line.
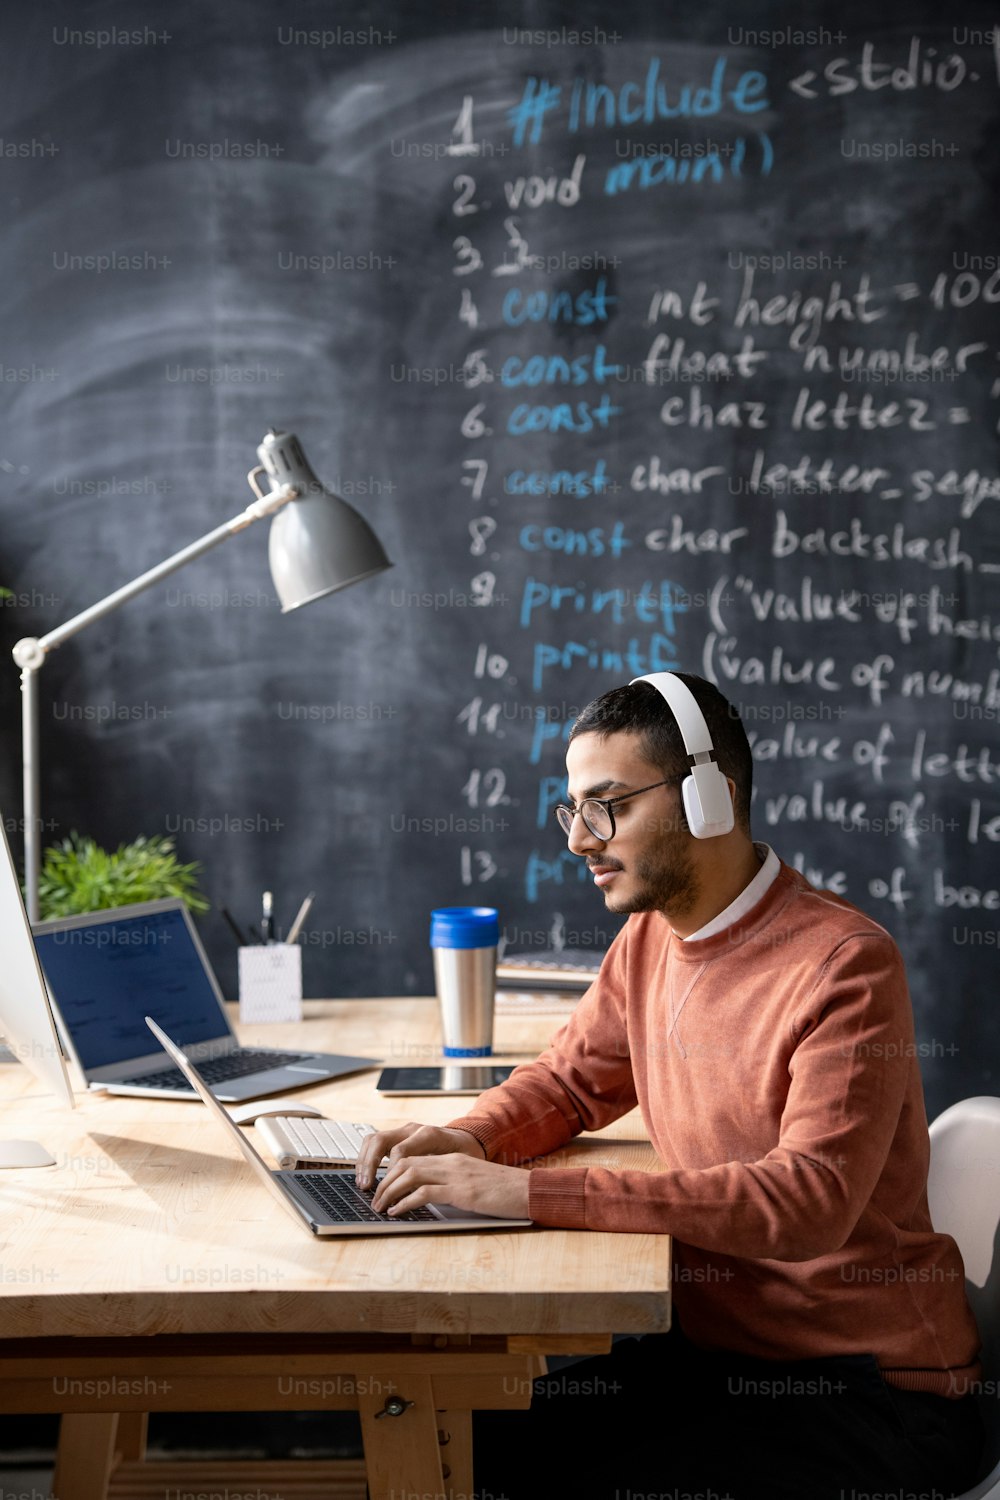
pixel 267 917
pixel 300 917
pixel 228 918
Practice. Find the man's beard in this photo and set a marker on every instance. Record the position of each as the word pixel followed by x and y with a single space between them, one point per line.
pixel 667 884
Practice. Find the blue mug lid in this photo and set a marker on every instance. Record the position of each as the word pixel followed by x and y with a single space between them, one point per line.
pixel 465 927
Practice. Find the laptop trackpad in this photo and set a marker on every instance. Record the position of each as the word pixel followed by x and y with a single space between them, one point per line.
pixel 448 1211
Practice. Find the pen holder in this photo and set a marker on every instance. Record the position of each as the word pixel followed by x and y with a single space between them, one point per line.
pixel 271 982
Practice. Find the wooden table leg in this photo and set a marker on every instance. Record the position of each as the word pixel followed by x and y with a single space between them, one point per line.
pixel 85 1456
pixel 400 1451
pixel 455 1439
pixel 131 1439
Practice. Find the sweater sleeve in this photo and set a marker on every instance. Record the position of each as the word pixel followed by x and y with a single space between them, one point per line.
pixel 848 1076
pixel 583 1081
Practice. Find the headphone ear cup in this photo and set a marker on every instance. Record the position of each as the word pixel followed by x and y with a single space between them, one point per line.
pixel 707 803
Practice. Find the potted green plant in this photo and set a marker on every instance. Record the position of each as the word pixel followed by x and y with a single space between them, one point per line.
pixel 78 875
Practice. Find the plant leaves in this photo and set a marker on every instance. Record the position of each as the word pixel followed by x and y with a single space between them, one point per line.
pixel 79 876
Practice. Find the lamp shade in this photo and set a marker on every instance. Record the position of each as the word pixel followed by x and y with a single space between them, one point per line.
pixel 318 543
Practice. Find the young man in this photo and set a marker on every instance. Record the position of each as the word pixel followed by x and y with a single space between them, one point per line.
pixel 823 1345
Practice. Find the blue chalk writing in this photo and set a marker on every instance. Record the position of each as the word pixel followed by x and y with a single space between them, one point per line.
pixel 581 308
pixel 581 416
pixel 594 542
pixel 557 481
pixel 551 791
pixel 650 171
pixel 652 604
pixel 538 99
pixel 594 105
pixel 562 868
pixel 555 369
pixel 645 172
pixel 659 656
pixel 545 730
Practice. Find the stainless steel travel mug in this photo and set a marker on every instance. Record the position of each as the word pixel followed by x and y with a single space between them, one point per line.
pixel 464 942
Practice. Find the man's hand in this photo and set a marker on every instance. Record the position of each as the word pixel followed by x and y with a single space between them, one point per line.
pixel 437 1164
pixel 482 1186
pixel 412 1140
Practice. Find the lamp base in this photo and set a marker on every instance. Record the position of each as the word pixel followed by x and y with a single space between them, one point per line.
pixel 24 1154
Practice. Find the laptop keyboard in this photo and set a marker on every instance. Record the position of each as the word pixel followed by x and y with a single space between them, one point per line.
pixel 219 1069
pixel 344 1203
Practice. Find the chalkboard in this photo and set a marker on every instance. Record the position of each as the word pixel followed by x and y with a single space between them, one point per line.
pixel 642 339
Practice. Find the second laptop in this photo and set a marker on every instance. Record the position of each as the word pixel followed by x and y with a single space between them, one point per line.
pixel 106 971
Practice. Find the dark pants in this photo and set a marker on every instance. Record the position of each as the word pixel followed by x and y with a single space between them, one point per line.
pixel 659 1418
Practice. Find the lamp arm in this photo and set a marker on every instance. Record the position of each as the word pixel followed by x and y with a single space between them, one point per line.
pixel 30 653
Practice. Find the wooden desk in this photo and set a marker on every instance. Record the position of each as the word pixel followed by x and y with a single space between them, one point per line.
pixel 147 1271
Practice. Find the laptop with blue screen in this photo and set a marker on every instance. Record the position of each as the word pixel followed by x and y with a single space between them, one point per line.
pixel 107 971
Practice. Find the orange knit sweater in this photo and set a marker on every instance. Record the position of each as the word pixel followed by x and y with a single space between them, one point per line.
pixel 775 1067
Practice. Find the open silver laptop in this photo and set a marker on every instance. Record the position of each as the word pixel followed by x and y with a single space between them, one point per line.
pixel 107 970
pixel 329 1201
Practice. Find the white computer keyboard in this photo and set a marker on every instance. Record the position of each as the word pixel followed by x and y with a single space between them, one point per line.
pixel 298 1140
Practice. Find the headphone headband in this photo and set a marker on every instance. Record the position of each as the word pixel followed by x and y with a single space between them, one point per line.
pixel 684 706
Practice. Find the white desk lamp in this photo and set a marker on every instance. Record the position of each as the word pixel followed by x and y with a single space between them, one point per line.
pixel 318 543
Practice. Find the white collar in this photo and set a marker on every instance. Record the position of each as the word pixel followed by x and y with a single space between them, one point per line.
pixel 747 898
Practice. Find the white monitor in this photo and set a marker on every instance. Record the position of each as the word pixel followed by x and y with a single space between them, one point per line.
pixel 25 1014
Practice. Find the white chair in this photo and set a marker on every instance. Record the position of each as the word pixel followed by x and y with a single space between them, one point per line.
pixel 963 1188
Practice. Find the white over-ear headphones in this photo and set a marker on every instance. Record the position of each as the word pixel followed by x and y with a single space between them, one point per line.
pixel 707 802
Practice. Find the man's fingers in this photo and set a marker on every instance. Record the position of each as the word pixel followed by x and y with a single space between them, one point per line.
pixel 409 1175
pixel 408 1141
pixel 419 1198
pixel 483 1187
pixel 373 1148
pixel 393 1183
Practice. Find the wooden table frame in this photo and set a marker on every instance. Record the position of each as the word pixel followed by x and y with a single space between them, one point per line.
pixel 413 1339
pixel 429 1440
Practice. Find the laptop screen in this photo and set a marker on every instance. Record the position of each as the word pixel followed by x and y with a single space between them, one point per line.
pixel 107 976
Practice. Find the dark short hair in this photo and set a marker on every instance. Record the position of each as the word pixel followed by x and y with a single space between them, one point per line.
pixel 640 709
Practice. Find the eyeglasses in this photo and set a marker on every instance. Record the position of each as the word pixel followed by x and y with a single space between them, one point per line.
pixel 597 814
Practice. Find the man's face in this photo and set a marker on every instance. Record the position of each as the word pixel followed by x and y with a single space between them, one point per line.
pixel 648 864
